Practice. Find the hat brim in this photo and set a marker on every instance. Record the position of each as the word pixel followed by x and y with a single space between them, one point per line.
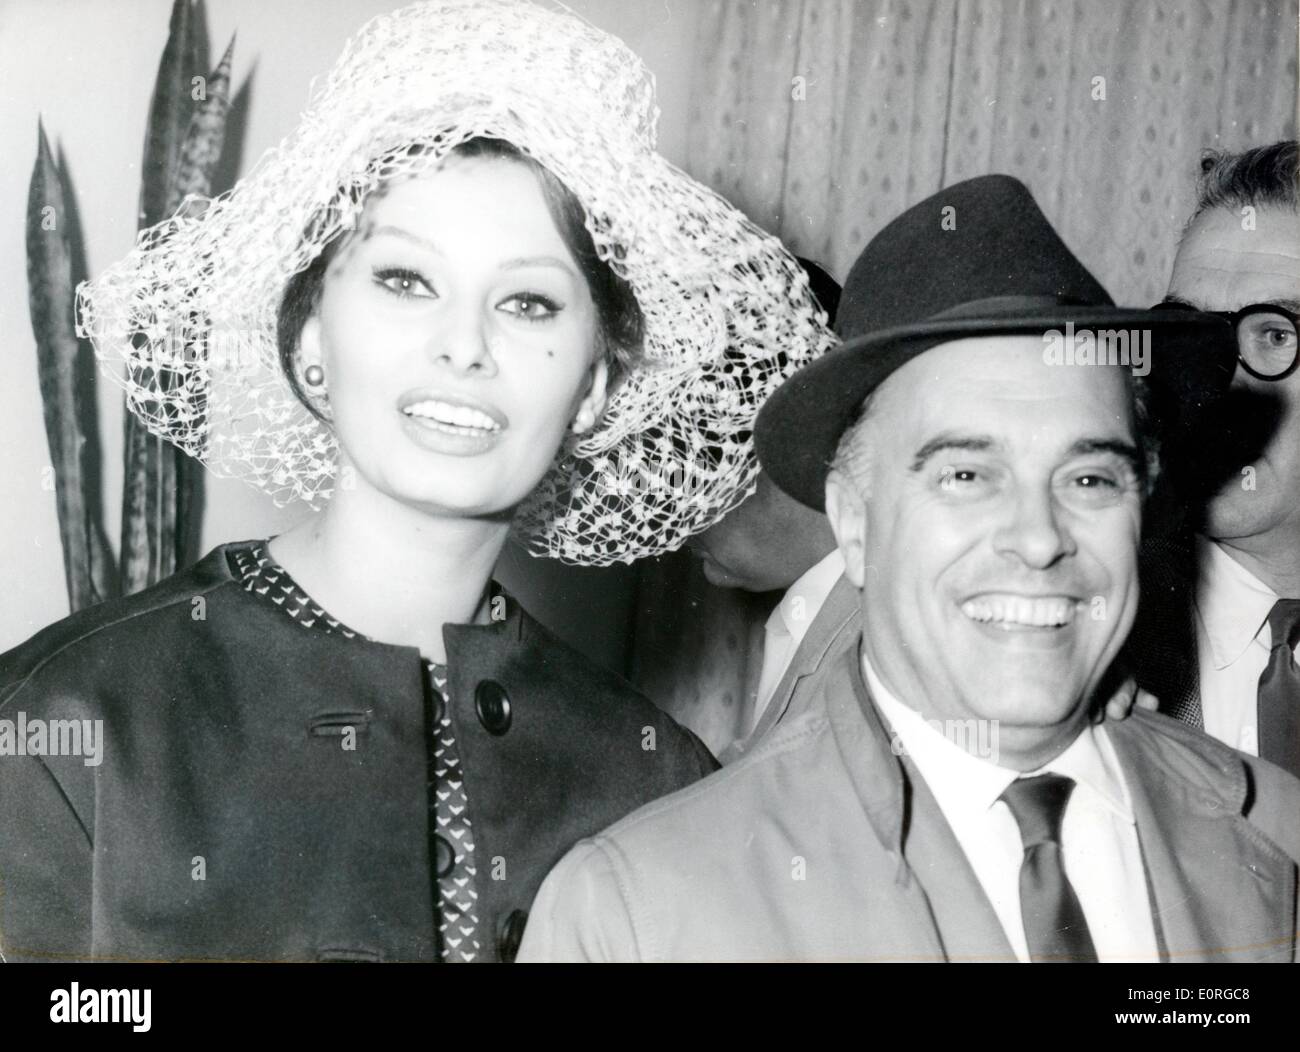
pixel 799 428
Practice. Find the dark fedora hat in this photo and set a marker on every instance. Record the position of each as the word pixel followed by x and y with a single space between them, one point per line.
pixel 976 259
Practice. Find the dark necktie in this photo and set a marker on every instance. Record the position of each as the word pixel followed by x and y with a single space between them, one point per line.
pixel 1279 690
pixel 1055 927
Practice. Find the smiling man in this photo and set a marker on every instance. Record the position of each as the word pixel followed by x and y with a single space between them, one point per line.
pixel 947 794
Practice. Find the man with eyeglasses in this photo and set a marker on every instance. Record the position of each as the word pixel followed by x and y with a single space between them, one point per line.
pixel 1220 616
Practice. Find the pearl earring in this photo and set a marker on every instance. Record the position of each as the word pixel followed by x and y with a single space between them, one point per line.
pixel 314 375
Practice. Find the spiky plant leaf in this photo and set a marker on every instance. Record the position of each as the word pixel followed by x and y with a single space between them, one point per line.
pixel 87 563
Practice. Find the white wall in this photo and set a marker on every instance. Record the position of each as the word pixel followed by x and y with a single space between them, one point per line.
pixel 87 68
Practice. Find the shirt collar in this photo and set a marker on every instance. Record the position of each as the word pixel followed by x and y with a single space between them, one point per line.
pixel 964 782
pixel 799 606
pixel 1231 602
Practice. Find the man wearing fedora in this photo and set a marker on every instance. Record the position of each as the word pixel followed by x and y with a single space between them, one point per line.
pixel 771 542
pixel 945 793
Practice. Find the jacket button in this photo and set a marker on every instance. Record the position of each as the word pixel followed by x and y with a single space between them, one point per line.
pixel 443 856
pixel 493 706
pixel 512 934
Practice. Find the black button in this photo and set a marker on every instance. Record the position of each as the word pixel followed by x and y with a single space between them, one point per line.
pixel 444 856
pixel 512 934
pixel 493 706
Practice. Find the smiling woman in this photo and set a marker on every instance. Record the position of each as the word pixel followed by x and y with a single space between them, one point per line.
pixel 469 298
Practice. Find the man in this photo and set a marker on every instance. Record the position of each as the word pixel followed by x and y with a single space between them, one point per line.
pixel 773 542
pixel 1221 599
pixel 945 795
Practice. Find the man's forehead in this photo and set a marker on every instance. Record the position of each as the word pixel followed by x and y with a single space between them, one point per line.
pixel 1003 389
pixel 1000 367
pixel 1228 260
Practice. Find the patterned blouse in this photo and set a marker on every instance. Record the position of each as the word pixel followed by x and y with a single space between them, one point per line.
pixel 451 836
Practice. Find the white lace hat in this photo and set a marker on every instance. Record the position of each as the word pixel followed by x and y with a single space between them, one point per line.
pixel 186 322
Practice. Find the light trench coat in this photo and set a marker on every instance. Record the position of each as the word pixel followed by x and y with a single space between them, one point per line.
pixel 822 844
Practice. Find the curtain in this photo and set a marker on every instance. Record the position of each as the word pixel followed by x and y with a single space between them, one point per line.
pixel 824 119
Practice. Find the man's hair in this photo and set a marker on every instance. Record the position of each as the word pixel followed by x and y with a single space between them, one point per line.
pixel 1261 177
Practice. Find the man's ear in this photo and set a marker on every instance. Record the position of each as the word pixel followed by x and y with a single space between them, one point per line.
pixel 847 511
pixel 594 401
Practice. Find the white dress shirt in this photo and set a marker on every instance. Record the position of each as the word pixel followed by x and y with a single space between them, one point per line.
pixel 1233 641
pixel 788 624
pixel 1099 841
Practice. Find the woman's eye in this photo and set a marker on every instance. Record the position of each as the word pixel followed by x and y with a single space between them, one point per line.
pixel 404 283
pixel 530 307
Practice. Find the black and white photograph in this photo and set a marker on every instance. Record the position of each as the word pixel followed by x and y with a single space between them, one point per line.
pixel 715 482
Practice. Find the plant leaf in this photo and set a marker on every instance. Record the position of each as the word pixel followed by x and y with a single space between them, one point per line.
pixel 86 559
pixel 149 488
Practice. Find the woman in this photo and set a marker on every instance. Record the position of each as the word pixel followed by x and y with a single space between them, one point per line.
pixel 465 296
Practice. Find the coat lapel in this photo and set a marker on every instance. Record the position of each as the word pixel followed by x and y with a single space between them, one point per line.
pixel 835 621
pixel 955 920
pixel 1221 891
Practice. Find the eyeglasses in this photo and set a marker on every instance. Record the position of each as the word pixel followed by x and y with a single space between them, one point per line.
pixel 1266 337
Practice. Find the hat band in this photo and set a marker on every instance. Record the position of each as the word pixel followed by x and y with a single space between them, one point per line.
pixel 998 305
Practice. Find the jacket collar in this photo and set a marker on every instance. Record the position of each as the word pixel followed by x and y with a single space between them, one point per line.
pixel 865 748
pixel 839 610
pixel 510 624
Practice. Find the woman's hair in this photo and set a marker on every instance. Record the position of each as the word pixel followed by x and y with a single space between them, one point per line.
pixel 618 315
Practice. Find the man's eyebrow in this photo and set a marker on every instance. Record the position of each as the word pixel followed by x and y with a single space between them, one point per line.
pixel 940 443
pixel 1126 451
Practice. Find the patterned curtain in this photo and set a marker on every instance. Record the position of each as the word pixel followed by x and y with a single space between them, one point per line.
pixel 824 119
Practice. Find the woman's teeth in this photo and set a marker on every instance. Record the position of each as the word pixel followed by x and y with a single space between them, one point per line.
pixel 459 417
pixel 1012 610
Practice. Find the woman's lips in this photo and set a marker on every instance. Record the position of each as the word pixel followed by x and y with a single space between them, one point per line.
pixel 456 418
pixel 451 423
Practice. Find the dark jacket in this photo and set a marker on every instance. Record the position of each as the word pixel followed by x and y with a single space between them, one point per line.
pixel 1161 648
pixel 228 820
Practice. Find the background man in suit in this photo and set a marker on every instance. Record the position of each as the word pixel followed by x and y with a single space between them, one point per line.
pixel 945 793
pixel 1221 598
pixel 772 543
